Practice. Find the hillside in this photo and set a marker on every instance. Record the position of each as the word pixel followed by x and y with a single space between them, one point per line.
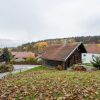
pixel 85 40
pixel 48 84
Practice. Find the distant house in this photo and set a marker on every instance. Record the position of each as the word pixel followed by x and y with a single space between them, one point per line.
pixel 93 50
pixel 88 57
pixel 64 55
pixel 22 56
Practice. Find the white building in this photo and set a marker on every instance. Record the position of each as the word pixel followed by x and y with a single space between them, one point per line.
pixel 88 57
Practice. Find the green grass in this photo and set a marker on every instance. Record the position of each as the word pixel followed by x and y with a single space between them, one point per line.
pixel 88 64
pixel 42 83
pixel 39 68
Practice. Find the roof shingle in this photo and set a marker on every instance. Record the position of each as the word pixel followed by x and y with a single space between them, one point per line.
pixel 93 48
pixel 23 54
pixel 59 52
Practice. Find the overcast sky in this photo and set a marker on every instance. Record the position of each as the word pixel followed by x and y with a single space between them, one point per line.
pixel 31 20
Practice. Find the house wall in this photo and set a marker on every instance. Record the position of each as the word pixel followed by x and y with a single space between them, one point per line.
pixel 88 57
pixel 75 58
pixel 51 63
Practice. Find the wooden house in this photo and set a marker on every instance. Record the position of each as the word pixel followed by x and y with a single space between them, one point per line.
pixel 64 55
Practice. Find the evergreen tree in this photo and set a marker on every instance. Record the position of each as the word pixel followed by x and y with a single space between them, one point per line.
pixel 96 62
pixel 6 55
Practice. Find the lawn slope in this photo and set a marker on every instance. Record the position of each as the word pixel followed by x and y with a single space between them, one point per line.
pixel 47 84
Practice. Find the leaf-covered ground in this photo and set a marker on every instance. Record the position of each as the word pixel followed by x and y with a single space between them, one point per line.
pixel 51 85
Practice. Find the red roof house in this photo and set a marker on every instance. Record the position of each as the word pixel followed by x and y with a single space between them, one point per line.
pixel 93 48
pixel 23 55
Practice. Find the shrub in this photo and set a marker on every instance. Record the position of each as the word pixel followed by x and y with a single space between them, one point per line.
pixel 6 67
pixel 29 61
pixel 39 61
pixel 59 67
pixel 96 62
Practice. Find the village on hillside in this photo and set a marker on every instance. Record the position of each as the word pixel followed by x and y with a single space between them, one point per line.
pixel 49 49
pixel 70 57
pixel 62 55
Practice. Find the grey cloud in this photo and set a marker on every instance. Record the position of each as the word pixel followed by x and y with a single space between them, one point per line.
pixel 32 20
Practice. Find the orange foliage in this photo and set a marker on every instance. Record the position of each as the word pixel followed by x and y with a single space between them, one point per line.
pixel 40 46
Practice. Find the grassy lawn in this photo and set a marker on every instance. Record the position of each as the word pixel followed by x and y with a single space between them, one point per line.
pixel 37 69
pixel 88 64
pixel 42 83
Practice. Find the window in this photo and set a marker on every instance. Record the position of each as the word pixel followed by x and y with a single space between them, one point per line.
pixel 93 55
pixel 84 55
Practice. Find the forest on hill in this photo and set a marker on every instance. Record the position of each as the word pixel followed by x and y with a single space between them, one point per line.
pixel 34 45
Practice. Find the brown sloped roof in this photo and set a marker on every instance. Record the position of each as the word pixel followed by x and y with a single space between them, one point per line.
pixel 93 48
pixel 59 52
pixel 23 54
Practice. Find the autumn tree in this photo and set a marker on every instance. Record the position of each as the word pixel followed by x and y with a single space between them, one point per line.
pixel 40 46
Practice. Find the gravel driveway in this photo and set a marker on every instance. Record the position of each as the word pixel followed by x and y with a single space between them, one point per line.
pixel 18 68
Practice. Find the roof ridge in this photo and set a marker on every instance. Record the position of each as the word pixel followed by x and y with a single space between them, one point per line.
pixel 78 44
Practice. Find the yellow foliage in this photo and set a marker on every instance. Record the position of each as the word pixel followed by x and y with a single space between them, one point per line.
pixel 98 45
pixel 40 46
